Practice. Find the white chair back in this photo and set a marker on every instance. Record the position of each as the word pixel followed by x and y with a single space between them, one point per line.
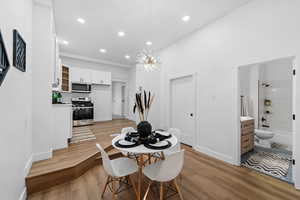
pixel 171 167
pixel 127 129
pixel 106 161
pixel 177 133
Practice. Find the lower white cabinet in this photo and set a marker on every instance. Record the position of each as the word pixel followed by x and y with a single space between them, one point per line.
pixel 62 125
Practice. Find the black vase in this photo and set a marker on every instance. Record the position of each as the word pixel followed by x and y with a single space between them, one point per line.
pixel 144 129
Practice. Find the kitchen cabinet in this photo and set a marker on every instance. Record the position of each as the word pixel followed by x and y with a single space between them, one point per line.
pixel 62 120
pixel 65 79
pixel 101 78
pixel 79 75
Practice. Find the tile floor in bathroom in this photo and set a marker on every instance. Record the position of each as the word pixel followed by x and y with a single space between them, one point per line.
pixel 288 177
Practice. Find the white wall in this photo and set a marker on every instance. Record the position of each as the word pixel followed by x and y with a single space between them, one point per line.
pixel 15 102
pixel 43 67
pixel 259 31
pixel 132 88
pixel 150 81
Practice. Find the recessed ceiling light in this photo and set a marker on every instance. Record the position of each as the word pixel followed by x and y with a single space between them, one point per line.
pixel 121 33
pixel 186 18
pixel 149 43
pixel 127 57
pixel 102 50
pixel 65 42
pixel 81 20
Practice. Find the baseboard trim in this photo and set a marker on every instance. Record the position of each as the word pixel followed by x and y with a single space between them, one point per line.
pixel 42 155
pixel 215 154
pixel 28 165
pixel 23 195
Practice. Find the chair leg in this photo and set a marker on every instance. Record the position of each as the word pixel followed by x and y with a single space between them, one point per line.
pixel 133 185
pixel 107 181
pixel 178 189
pixel 161 191
pixel 113 189
pixel 147 191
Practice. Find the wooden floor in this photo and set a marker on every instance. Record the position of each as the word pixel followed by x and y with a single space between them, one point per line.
pixel 203 177
pixel 75 153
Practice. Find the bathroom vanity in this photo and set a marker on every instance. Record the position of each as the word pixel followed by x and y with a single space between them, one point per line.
pixel 247 134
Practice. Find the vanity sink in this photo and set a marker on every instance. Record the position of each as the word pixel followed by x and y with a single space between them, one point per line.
pixel 245 118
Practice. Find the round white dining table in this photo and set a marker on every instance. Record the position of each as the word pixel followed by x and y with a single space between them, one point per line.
pixel 140 151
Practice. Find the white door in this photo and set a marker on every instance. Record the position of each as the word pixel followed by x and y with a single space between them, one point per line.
pixel 182 107
pixel 123 100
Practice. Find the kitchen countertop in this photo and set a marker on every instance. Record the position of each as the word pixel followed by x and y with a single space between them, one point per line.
pixel 62 104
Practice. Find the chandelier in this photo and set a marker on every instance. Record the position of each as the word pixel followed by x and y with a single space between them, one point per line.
pixel 148 60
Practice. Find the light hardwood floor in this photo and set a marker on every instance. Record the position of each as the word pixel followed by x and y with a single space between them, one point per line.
pixel 203 177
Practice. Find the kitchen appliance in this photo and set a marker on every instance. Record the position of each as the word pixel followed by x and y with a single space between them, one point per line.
pixel 81 88
pixel 83 111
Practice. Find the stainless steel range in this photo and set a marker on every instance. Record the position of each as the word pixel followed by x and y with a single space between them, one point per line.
pixel 83 111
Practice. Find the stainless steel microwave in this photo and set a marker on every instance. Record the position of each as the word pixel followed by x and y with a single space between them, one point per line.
pixel 81 88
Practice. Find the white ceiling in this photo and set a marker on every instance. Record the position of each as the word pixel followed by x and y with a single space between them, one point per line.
pixel 158 21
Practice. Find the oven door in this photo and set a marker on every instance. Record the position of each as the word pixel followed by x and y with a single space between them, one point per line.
pixel 81 88
pixel 83 113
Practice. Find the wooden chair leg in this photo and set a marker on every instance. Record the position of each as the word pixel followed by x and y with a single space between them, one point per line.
pixel 113 190
pixel 161 192
pixel 107 181
pixel 149 158
pixel 133 185
pixel 178 189
pixel 147 191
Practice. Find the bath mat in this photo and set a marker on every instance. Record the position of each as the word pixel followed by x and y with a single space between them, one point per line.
pixel 81 134
pixel 279 146
pixel 274 164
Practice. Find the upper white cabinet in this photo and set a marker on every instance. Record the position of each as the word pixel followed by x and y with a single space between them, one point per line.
pixel 79 75
pixel 99 77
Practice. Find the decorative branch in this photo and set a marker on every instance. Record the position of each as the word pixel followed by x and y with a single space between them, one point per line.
pixel 143 104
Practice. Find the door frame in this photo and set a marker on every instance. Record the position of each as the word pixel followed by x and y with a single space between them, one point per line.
pixel 126 94
pixel 294 122
pixel 169 112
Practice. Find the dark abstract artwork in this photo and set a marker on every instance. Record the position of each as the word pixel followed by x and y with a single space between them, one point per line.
pixel 19 52
pixel 4 62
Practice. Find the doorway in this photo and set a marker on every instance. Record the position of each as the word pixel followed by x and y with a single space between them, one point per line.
pixel 266 110
pixel 118 100
pixel 182 107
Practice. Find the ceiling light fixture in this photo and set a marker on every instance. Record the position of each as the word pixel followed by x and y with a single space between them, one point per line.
pixel 127 57
pixel 149 43
pixel 186 18
pixel 102 50
pixel 65 42
pixel 81 20
pixel 148 60
pixel 121 34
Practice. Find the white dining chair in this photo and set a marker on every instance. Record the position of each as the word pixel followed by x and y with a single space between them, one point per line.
pixel 177 133
pixel 165 171
pixel 127 129
pixel 117 170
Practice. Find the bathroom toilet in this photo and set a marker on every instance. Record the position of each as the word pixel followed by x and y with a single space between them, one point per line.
pixel 263 138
